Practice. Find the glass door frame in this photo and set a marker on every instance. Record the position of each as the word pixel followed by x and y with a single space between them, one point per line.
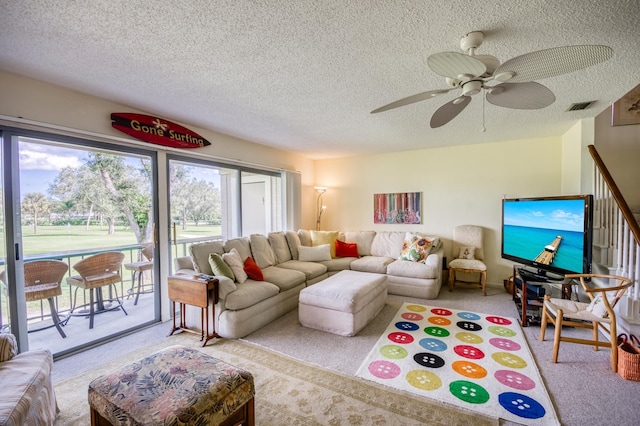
pixel 13 231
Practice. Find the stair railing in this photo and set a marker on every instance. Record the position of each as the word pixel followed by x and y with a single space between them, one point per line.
pixel 617 235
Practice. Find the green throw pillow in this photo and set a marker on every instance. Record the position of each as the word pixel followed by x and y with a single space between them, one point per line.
pixel 219 267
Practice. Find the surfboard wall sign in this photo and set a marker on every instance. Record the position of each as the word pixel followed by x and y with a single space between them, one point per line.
pixel 156 130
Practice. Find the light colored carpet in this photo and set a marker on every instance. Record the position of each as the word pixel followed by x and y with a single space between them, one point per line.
pixel 582 386
pixel 474 361
pixel 288 391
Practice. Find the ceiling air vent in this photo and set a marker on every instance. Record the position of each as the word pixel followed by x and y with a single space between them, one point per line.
pixel 580 106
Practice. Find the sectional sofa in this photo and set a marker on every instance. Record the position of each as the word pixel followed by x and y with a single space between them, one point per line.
pixel 290 261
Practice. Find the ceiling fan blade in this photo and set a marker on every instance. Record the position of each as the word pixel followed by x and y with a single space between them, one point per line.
pixel 454 65
pixel 553 62
pixel 449 111
pixel 411 99
pixel 520 95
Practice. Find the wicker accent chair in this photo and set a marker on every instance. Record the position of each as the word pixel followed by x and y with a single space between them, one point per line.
pixel 468 256
pixel 42 280
pixel 597 315
pixel 95 272
pixel 137 271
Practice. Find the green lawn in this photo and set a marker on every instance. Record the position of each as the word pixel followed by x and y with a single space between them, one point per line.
pixel 53 239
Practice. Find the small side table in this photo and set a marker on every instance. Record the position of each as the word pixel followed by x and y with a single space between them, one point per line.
pixel 195 291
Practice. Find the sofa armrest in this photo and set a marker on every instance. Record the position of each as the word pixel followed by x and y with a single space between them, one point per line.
pixel 8 347
pixel 435 258
pixel 184 262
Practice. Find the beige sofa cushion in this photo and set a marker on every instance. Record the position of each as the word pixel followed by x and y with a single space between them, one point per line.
pixel 305 237
pixel 200 255
pixel 262 252
pixel 241 244
pixel 374 264
pixel 249 293
pixel 278 241
pixel 311 270
pixel 338 264
pixel 285 279
pixel 225 287
pixel 363 239
pixel 387 244
pixel 403 268
pixel 293 240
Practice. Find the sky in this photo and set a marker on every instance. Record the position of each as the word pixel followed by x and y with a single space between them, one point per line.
pixel 40 164
pixel 566 215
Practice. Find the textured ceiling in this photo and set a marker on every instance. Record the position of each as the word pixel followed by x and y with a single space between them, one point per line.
pixel 304 75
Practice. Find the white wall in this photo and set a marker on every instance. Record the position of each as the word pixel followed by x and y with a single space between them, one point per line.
pixel 459 185
pixel 619 147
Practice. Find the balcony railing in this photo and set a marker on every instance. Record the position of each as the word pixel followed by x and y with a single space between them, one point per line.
pixel 39 311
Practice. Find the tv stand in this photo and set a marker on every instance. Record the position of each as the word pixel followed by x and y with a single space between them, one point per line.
pixel 527 296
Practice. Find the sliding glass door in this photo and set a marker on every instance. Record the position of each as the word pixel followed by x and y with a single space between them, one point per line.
pixel 76 200
pixel 212 201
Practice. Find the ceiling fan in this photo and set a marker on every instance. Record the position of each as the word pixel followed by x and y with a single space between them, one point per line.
pixel 509 85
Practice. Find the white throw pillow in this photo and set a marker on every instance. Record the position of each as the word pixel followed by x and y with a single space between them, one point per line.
pixel 597 307
pixel 314 254
pixel 467 253
pixel 236 264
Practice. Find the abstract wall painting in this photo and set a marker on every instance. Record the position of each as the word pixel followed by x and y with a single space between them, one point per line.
pixel 626 110
pixel 400 207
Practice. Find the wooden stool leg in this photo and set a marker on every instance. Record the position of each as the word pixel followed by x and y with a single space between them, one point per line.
pixel 483 282
pixel 452 278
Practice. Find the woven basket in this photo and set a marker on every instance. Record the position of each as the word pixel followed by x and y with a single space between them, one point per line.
pixel 628 358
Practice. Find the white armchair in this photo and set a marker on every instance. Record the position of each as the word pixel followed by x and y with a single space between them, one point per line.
pixel 467 256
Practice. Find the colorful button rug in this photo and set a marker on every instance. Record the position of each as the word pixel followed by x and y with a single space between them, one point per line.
pixel 475 361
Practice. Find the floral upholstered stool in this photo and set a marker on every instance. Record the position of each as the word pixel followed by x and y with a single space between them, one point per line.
pixel 175 386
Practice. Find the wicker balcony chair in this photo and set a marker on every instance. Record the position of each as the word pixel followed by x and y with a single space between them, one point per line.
pixel 42 280
pixel 138 269
pixel 95 272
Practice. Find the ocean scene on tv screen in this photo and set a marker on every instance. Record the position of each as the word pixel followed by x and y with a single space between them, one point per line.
pixel 530 226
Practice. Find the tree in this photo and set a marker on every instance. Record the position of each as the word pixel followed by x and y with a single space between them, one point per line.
pixel 35 203
pixel 128 191
pixel 112 189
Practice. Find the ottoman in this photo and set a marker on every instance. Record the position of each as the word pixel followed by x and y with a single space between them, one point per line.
pixel 344 303
pixel 175 386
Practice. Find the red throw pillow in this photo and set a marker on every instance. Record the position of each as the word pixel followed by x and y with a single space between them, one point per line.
pixel 346 249
pixel 253 270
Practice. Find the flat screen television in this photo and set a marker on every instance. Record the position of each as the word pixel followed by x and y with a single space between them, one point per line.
pixel 551 234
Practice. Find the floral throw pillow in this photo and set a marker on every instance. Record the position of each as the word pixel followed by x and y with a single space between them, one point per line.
pixel 415 248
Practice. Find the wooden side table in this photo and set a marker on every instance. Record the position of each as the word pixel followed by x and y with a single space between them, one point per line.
pixel 195 291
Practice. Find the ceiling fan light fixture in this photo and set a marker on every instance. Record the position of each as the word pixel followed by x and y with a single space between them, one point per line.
pixel 504 76
pixel 471 88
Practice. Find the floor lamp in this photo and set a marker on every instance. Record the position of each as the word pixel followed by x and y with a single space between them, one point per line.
pixel 319 207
